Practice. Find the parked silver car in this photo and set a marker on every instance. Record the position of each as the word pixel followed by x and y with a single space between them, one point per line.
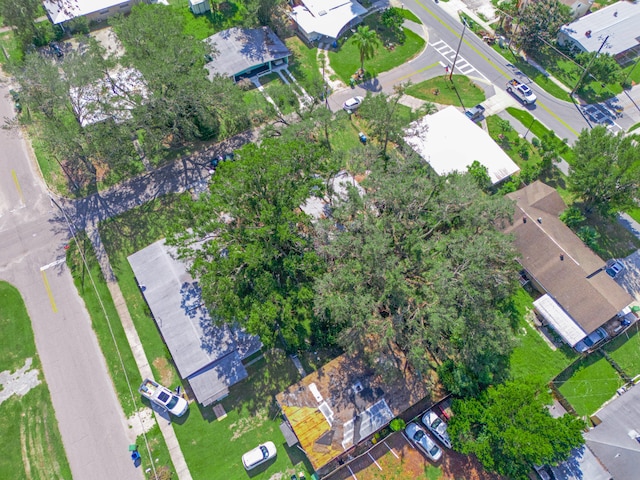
pixel 424 442
pixel 437 426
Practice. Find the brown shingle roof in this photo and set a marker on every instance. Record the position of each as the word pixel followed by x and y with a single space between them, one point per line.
pixel 324 439
pixel 577 282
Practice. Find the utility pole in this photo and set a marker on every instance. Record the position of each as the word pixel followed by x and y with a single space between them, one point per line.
pixel 588 65
pixel 630 72
pixel 455 59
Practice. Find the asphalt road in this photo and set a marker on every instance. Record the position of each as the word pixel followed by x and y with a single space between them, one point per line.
pixel 482 63
pixel 32 239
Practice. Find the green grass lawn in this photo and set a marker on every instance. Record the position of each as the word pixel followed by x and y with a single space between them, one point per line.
pixel 635 213
pixel 252 418
pixel 228 14
pixel 593 382
pixel 634 127
pixel 346 60
pixel 407 14
pixel 625 351
pixel 304 66
pixel 512 144
pixel 31 443
pixel 441 90
pixel 10 48
pixel 533 359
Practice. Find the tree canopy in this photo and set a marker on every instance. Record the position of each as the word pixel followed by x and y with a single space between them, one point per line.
pixel 540 22
pixel 258 262
pixel 366 41
pixel 509 428
pixel 606 172
pixel 419 267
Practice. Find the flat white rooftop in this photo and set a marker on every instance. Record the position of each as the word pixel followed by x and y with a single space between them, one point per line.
pixel 326 17
pixel 450 142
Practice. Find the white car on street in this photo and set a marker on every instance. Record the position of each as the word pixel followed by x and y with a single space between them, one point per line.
pixel 437 426
pixel 259 455
pixel 423 441
pixel 352 104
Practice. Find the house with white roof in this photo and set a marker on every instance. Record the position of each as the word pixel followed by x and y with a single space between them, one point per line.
pixel 328 19
pixel 618 24
pixel 450 142
pixel 61 11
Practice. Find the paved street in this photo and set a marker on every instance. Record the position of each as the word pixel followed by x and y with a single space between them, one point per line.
pixel 480 62
pixel 32 235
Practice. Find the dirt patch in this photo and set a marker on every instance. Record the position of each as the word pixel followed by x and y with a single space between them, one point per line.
pixel 167 375
pixel 247 424
pixel 141 422
pixel 18 383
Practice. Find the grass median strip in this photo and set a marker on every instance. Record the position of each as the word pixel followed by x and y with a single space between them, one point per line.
pixel 441 90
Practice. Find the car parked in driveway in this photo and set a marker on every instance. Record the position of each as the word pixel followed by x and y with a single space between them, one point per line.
pixel 259 455
pixel 613 268
pixel 476 113
pixel 591 340
pixel 416 434
pixel 437 426
pixel 352 104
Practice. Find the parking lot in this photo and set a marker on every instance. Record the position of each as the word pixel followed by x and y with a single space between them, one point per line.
pixel 395 458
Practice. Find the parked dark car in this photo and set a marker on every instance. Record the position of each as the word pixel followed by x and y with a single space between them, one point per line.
pixel 476 113
pixel 56 50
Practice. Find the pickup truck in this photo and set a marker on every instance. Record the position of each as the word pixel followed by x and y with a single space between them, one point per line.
pixel 163 397
pixel 521 91
pixel 476 113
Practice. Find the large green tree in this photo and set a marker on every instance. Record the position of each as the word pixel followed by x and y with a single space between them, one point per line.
pixel 367 42
pixel 509 428
pixel 419 267
pixel 254 254
pixel 606 172
pixel 386 119
pixel 21 16
pixel 182 104
pixel 540 22
pixel 602 68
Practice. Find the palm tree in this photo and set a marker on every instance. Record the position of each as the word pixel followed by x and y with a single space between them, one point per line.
pixel 367 41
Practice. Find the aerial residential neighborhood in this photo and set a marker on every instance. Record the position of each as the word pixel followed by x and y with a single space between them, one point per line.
pixel 320 239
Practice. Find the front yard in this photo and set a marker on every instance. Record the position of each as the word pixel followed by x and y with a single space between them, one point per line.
pixel 346 60
pixel 440 90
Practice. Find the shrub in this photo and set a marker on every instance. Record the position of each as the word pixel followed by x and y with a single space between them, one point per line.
pixel 397 424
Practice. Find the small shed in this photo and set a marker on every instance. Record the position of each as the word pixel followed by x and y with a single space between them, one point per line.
pixel 199 7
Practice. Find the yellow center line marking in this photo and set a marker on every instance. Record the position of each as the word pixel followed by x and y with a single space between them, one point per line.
pixel 419 71
pixel 490 62
pixel 49 292
pixel 553 114
pixel 15 180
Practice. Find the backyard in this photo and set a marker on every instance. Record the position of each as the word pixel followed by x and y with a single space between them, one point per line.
pixel 625 351
pixel 32 447
pixel 588 383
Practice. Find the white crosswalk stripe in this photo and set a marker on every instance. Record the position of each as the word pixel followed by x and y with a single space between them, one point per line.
pixel 462 66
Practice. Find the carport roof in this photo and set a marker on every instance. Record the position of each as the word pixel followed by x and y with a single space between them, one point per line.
pixel 559 320
pixel 343 403
pixel 241 49
pixel 559 262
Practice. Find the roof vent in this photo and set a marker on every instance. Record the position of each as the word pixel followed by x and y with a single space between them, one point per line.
pixel 588 33
pixel 357 387
pixel 539 219
pixel 322 13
